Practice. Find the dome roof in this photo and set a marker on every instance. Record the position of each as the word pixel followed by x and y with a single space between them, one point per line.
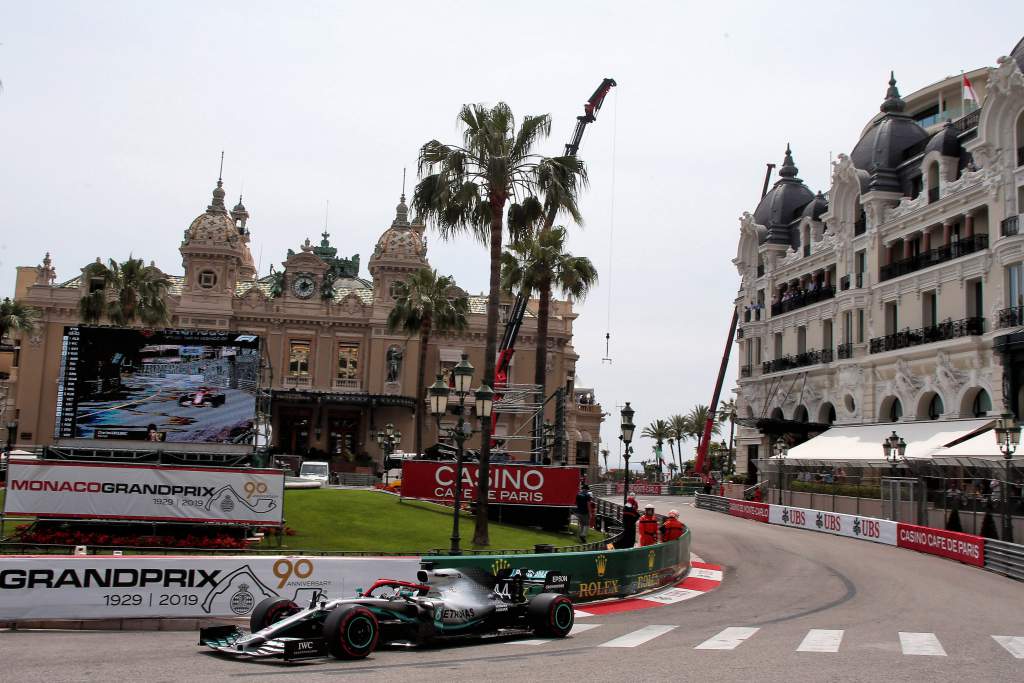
pixel 783 203
pixel 215 225
pixel 946 142
pixel 816 207
pixel 880 150
pixel 402 240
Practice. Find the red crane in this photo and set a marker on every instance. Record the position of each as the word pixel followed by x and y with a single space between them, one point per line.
pixel 515 319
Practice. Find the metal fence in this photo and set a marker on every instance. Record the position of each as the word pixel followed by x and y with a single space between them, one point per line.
pixel 1005 558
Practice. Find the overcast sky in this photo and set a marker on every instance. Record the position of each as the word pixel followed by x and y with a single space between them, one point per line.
pixel 113 116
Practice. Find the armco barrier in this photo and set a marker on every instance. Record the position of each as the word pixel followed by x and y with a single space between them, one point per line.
pixel 595 575
pixel 993 555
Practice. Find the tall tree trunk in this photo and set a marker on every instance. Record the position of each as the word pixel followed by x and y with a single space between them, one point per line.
pixel 732 456
pixel 481 534
pixel 541 357
pixel 420 391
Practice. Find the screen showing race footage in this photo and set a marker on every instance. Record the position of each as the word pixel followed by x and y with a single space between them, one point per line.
pixel 186 386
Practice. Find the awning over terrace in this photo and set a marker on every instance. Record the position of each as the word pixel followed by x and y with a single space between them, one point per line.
pixel 861 445
pixel 979 451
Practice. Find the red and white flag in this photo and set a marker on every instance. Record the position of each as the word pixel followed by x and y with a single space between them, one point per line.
pixel 969 93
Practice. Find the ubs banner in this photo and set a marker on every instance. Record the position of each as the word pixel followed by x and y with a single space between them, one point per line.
pixel 99 587
pixel 70 490
pixel 864 528
pixel 513 484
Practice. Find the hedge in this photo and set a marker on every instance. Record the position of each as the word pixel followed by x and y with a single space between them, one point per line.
pixel 853 490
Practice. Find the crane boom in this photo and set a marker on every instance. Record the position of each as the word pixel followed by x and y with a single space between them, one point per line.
pixel 515 319
pixel 702 464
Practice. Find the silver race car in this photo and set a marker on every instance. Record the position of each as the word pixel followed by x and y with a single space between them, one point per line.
pixel 442 605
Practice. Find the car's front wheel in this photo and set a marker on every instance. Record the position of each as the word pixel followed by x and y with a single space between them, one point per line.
pixel 270 611
pixel 551 614
pixel 351 632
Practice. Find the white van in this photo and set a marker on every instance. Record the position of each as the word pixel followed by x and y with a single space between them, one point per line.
pixel 314 471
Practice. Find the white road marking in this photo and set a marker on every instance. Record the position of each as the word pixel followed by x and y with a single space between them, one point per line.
pixel 921 644
pixel 1013 644
pixel 638 637
pixel 576 630
pixel 821 640
pixel 582 615
pixel 701 573
pixel 672 595
pixel 728 638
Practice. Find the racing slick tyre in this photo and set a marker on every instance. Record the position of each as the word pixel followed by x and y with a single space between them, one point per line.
pixel 270 611
pixel 351 632
pixel 551 614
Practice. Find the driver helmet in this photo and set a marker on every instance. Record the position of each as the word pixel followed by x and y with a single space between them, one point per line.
pixel 673 513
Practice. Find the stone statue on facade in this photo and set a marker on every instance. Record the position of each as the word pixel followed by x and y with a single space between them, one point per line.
pixel 394 363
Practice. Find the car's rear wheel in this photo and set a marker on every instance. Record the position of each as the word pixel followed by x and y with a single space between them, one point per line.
pixel 551 614
pixel 351 632
pixel 270 611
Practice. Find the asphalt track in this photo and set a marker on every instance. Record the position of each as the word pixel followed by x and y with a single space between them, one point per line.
pixel 858 610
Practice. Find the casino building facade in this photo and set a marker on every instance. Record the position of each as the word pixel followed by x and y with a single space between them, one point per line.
pixel 898 294
pixel 333 372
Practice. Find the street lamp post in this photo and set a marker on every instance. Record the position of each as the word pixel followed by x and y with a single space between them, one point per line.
pixel 1008 437
pixel 438 394
pixel 12 430
pixel 627 436
pixel 388 438
pixel 781 450
pixel 894 449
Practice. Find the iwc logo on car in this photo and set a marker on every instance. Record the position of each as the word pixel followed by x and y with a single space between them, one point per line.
pixel 242 601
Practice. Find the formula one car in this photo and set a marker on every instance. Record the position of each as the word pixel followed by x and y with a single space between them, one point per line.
pixel 202 397
pixel 443 605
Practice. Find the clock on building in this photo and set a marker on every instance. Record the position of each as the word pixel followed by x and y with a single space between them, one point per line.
pixel 304 286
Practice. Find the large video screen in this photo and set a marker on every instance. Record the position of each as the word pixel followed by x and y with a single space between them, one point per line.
pixel 186 386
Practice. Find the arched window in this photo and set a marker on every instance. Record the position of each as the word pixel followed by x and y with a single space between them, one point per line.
pixel 933 182
pixel 935 408
pixel 827 413
pixel 982 404
pixel 777 414
pixel 1020 141
pixel 892 409
pixel 800 414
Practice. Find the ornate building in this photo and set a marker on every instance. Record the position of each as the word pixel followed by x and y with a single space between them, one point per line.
pixel 336 374
pixel 897 295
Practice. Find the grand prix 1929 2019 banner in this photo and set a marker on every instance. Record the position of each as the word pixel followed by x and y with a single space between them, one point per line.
pixel 106 587
pixel 72 490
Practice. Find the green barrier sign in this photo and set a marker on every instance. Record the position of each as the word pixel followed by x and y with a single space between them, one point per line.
pixel 597 574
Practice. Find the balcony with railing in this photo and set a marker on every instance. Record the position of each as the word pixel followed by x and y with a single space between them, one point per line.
pixel 746 370
pixel 926 259
pixel 951 329
pixel 1010 317
pixel 296 381
pixel 844 351
pixel 800 360
pixel 347 385
pixel 803 298
pixel 1010 226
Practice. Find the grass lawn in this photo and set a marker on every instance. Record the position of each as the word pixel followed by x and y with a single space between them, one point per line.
pixel 332 519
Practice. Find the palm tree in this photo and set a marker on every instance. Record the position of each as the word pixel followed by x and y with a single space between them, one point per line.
pixel 681 432
pixel 423 304
pixel 130 290
pixel 17 317
pixel 604 454
pixel 658 430
pixel 727 411
pixel 539 263
pixel 466 189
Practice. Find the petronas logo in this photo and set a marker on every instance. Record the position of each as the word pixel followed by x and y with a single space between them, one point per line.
pixel 602 564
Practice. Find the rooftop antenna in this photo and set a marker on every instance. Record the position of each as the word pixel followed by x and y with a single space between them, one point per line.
pixel 220 173
pixel 403 182
pixel 607 342
pixel 327 213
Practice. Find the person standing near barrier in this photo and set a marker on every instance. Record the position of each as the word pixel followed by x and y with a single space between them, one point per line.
pixel 630 515
pixel 672 528
pixel 648 527
pixel 584 499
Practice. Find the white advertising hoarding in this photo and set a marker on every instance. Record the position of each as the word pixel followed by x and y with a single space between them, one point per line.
pixel 101 587
pixel 854 526
pixel 74 490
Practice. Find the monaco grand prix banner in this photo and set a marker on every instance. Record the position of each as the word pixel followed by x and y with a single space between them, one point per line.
pixel 749 509
pixel 101 587
pixel 853 526
pixel 70 490
pixel 511 484
pixel 955 546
